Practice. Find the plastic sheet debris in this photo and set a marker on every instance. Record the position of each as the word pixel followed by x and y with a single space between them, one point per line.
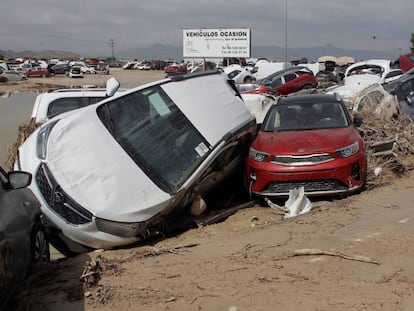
pixel 296 204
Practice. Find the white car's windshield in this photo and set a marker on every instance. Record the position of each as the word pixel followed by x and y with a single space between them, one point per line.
pixel 156 135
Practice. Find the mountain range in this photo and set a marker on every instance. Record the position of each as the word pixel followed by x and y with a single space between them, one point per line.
pixel 162 51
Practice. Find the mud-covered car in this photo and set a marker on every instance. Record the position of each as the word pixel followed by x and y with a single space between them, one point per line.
pixel 23 241
pixel 307 141
pixel 403 90
pixel 110 173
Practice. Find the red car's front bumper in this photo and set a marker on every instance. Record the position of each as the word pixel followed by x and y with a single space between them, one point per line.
pixel 339 176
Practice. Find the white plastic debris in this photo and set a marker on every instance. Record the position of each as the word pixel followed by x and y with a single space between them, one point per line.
pixel 377 171
pixel 198 206
pixel 297 203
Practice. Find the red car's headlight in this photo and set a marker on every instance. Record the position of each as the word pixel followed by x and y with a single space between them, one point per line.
pixel 258 156
pixel 348 150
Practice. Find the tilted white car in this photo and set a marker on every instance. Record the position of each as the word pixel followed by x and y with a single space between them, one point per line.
pixel 109 173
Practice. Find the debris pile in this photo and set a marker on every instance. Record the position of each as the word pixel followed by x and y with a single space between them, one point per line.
pixel 91 275
pixel 24 131
pixel 397 134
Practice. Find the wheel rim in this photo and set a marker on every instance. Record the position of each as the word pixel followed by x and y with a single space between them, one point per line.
pixel 41 247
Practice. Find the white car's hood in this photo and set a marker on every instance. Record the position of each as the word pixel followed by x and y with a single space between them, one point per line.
pixel 106 181
pixel 215 113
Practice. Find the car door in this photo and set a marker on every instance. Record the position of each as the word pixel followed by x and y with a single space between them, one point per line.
pixel 15 228
pixel 277 84
pixel 291 83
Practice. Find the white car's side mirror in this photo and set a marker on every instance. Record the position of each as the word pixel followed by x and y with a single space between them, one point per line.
pixel 112 85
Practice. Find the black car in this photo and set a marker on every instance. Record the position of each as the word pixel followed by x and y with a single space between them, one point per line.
pixel 60 69
pixel 403 89
pixel 23 241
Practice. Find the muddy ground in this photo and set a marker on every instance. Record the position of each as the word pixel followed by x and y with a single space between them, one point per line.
pixel 254 260
pixel 364 261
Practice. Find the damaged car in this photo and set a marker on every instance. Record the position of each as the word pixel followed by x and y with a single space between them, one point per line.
pixel 403 90
pixel 290 80
pixel 111 173
pixel 307 141
pixel 23 242
pixel 380 68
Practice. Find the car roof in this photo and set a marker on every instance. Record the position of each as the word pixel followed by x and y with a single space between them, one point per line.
pixel 284 71
pixel 407 76
pixel 308 98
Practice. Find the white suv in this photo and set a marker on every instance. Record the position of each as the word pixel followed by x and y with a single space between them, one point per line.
pixel 48 105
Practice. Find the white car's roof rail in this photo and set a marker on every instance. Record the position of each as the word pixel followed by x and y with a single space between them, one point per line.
pixel 78 90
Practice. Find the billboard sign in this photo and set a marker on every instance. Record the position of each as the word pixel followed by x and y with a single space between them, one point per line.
pixel 227 42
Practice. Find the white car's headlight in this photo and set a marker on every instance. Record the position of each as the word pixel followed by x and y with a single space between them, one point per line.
pixel 257 155
pixel 348 150
pixel 42 138
pixel 124 229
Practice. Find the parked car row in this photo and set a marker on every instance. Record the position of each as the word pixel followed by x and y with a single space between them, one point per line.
pixel 146 65
pixel 75 70
pixel 12 75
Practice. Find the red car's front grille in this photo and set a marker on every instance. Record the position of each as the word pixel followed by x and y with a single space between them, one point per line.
pixel 325 185
pixel 302 160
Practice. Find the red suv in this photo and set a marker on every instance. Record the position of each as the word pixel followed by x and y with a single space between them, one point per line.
pixel 290 80
pixel 404 62
pixel 307 141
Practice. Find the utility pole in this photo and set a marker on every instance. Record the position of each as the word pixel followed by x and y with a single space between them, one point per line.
pixel 286 34
pixel 112 45
pixel 373 44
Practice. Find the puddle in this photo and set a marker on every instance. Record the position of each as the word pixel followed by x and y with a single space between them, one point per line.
pixel 15 109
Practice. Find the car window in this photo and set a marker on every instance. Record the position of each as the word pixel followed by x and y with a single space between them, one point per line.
pixel 233 74
pixel 3 180
pixel 394 73
pixel 405 89
pixel 94 100
pixel 158 105
pixel 370 101
pixel 276 82
pixel 290 77
pixel 300 116
pixel 147 124
pixel 62 105
pixel 246 87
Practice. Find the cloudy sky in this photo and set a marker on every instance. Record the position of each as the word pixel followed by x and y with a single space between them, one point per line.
pixel 86 26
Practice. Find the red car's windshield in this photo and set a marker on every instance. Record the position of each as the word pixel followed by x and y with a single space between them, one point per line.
pixel 305 116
